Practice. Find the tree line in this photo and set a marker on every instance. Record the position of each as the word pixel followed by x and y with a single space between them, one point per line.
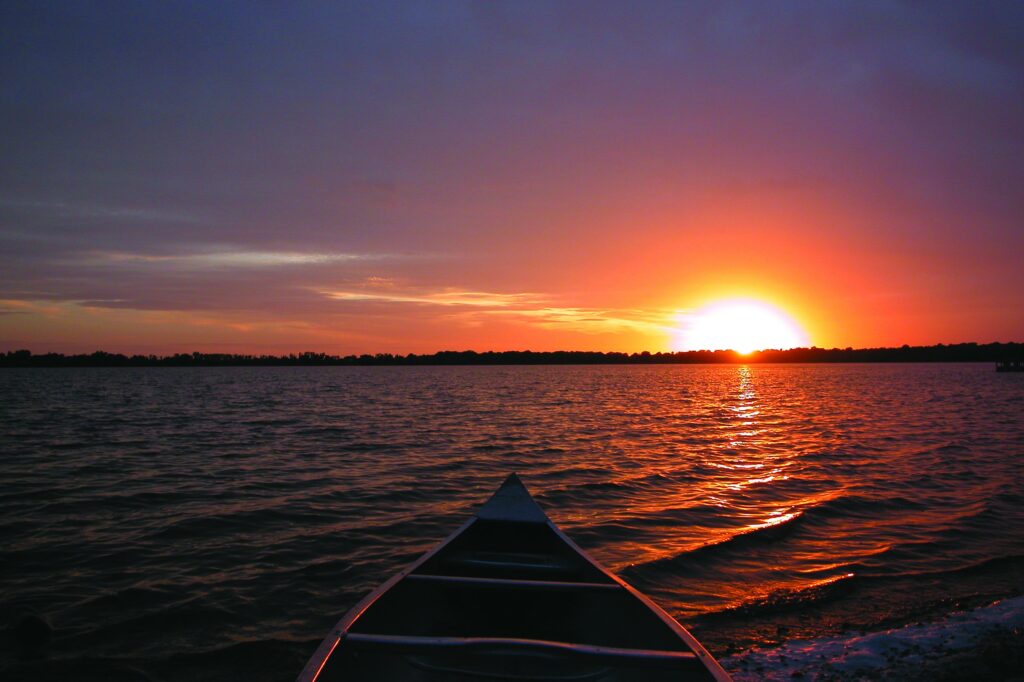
pixel 959 352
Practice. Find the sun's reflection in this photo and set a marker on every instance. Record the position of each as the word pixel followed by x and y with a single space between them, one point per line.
pixel 747 475
pixel 747 454
pixel 744 411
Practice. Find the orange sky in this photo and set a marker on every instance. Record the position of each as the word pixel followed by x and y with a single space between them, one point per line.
pixel 514 177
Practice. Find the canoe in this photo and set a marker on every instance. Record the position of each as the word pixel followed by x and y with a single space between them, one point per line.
pixel 508 597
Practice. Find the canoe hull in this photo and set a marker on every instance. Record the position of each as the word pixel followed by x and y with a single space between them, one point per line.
pixel 508 596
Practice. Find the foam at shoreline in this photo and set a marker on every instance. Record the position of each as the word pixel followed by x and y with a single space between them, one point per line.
pixel 913 651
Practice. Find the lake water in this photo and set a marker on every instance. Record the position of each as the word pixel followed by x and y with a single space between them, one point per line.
pixel 203 523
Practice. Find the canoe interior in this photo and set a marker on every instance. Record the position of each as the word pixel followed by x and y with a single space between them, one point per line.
pixel 509 600
pixel 509 549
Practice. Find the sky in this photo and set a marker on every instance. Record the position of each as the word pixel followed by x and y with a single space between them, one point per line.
pixel 412 177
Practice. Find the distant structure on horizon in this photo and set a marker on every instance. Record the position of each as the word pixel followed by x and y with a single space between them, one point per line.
pixel 1010 365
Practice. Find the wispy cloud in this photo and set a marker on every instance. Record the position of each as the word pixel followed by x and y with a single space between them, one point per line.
pixel 14 306
pixel 224 258
pixel 528 308
pixel 598 320
pixel 76 210
pixel 446 297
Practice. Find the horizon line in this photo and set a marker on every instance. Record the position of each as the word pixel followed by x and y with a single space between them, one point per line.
pixel 969 351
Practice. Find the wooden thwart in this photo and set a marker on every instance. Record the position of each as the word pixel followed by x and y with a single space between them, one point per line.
pixel 559 585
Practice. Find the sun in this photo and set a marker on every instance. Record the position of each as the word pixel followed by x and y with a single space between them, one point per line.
pixel 741 325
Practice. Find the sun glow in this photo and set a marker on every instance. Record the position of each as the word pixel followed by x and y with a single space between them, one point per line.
pixel 740 325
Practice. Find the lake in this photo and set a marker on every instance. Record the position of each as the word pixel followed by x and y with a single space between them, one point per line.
pixel 203 523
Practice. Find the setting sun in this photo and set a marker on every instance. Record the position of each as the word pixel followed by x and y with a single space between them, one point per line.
pixel 740 325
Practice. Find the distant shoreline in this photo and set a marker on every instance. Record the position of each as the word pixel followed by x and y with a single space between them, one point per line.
pixel 961 352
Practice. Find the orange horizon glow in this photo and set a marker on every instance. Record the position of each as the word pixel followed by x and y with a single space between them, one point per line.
pixel 773 320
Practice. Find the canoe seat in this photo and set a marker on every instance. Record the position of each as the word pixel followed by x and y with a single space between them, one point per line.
pixel 407 644
pixel 508 561
pixel 500 583
pixel 516 606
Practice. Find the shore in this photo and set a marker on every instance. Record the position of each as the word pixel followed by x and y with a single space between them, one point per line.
pixel 984 643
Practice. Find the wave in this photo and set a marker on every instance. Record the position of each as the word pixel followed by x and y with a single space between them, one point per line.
pixel 817 519
pixel 768 532
pixel 991 567
pixel 1012 562
pixel 793 599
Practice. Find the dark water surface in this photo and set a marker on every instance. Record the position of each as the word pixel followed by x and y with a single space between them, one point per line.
pixel 207 523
